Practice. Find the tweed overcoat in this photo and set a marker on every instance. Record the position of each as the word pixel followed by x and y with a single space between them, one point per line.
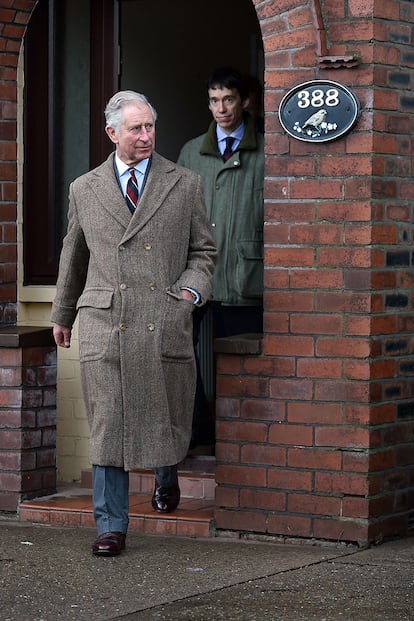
pixel 123 275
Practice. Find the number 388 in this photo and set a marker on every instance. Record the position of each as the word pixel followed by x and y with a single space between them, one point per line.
pixel 318 98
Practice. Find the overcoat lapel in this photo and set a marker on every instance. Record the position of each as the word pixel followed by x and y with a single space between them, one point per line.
pixel 162 177
pixel 108 192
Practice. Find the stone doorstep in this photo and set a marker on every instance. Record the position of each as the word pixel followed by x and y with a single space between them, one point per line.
pixel 72 504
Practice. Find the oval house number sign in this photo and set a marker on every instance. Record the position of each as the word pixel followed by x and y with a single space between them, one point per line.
pixel 318 111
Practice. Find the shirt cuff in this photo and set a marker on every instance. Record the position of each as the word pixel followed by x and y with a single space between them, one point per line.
pixel 197 296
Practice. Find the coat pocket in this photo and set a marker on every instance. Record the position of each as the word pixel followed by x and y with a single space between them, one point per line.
pixel 177 330
pixel 95 322
pixel 249 269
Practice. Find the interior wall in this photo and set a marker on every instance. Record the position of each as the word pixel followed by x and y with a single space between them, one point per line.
pixel 168 50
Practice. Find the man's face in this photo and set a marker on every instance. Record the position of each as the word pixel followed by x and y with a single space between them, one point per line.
pixel 226 107
pixel 135 141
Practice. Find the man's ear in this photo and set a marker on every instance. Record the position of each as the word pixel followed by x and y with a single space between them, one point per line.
pixel 246 103
pixel 112 134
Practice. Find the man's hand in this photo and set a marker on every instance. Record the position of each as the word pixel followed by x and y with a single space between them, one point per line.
pixel 62 335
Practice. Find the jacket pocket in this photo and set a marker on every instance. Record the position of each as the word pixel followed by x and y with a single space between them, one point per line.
pixel 249 269
pixel 177 330
pixel 95 322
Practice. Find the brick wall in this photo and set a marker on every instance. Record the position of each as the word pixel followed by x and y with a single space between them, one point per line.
pixel 315 436
pixel 27 415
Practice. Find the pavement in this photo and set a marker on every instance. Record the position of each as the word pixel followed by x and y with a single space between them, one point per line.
pixel 49 573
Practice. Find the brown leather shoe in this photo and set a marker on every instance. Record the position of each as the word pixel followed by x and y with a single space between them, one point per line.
pixel 165 499
pixel 109 544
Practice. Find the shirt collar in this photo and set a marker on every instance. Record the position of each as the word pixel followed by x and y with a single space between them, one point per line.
pixel 237 133
pixel 141 167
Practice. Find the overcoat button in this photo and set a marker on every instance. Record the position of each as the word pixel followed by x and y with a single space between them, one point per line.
pixel 151 327
pixel 122 326
pixel 122 286
pixel 147 246
pixel 121 247
pixel 152 287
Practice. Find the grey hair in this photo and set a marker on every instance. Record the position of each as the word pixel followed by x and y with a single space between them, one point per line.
pixel 114 107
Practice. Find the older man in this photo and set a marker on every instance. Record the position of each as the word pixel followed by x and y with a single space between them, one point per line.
pixel 138 257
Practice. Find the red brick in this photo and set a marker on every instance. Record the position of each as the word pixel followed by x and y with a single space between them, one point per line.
pixel 242 431
pixel 276 234
pixel 263 454
pixel 294 435
pixel 263 410
pixel 297 212
pixel 311 413
pixel 285 479
pixel 9 501
pixel 314 459
pixel 316 234
pixel 287 301
pixel 343 302
pixel 313 504
pixel 314 188
pixel 229 365
pixel 344 437
pixel 227 452
pixel 311 367
pixel 276 323
pixel 231 386
pixel 297 389
pixel 240 520
pixel 244 476
pixel 227 497
pixel 355 507
pixel 10 481
pixel 340 530
pixel 288 345
pixel 357 369
pixel 288 256
pixel 344 257
pixel 227 408
pixel 289 525
pixel 260 366
pixel 263 499
pixel 333 483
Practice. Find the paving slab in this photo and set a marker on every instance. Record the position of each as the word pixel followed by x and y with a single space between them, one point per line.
pixel 48 573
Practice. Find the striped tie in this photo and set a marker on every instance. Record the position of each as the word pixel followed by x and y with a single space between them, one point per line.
pixel 228 150
pixel 132 191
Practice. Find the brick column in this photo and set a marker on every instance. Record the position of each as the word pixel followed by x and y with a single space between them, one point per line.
pixel 28 364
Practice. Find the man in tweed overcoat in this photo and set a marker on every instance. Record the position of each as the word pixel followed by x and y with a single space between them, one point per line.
pixel 134 278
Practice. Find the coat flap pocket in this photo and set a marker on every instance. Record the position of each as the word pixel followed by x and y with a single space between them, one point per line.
pixel 96 298
pixel 250 249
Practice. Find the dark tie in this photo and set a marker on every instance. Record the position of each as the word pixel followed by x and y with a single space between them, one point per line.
pixel 132 191
pixel 228 150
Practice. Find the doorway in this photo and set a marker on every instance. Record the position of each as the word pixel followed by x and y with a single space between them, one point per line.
pixel 170 60
pixel 168 50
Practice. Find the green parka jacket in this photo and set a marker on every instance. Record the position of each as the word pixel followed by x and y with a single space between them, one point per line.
pixel 233 193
